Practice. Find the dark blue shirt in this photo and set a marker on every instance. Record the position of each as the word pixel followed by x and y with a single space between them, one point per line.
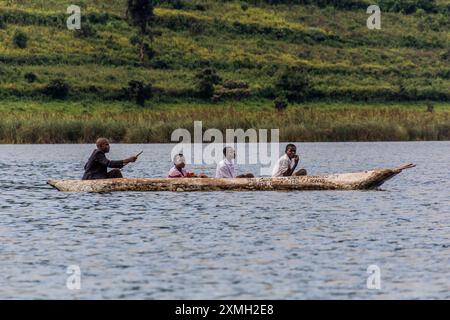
pixel 97 166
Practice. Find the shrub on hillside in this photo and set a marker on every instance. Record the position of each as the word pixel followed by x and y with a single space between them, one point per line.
pixel 234 94
pixel 178 4
pixel 294 83
pixel 86 31
pixel 340 4
pixel 2 24
pixel 30 77
pixel 200 7
pixel 138 91
pixel 111 44
pixel 206 80
pixel 231 84
pixel 280 103
pixel 100 18
pixel 57 89
pixel 445 55
pixel 408 6
pixel 20 39
pixel 160 63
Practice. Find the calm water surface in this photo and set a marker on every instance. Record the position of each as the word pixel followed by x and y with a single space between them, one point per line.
pixel 226 245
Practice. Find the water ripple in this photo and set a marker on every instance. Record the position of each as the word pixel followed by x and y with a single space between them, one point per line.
pixel 226 245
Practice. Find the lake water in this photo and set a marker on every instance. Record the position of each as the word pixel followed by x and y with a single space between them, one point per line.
pixel 226 245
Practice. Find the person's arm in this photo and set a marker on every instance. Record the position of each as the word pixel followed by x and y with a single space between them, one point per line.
pixel 290 171
pixel 118 164
pixel 129 160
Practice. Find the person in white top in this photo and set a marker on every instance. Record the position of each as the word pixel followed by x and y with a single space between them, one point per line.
pixel 286 165
pixel 226 169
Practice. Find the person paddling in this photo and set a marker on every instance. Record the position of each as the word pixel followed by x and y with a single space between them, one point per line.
pixel 286 165
pixel 97 165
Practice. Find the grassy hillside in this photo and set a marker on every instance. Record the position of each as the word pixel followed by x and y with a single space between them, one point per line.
pixel 406 63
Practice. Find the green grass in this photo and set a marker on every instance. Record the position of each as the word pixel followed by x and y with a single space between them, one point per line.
pixel 78 122
pixel 356 73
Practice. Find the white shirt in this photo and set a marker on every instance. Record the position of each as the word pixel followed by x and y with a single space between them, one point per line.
pixel 282 165
pixel 225 169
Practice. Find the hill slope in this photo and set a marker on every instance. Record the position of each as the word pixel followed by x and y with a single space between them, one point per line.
pixel 407 60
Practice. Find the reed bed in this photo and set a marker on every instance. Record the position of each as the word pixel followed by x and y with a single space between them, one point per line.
pixel 295 124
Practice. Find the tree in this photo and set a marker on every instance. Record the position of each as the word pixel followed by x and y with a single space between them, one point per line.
pixel 30 77
pixel 294 83
pixel 57 89
pixel 138 91
pixel 140 14
pixel 280 103
pixel 86 32
pixel 20 39
pixel 206 79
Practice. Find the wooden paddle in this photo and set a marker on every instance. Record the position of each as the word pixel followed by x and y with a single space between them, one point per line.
pixel 139 153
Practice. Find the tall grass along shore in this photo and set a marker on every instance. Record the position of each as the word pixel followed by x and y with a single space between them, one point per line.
pixel 83 123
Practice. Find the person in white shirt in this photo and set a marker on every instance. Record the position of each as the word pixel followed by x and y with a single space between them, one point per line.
pixel 286 165
pixel 226 168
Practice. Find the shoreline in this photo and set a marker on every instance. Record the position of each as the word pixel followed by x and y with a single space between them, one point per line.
pixel 41 122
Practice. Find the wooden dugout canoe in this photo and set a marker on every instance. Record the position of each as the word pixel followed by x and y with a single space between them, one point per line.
pixel 365 180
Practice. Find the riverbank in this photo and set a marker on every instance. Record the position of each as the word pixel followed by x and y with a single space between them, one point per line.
pixel 26 121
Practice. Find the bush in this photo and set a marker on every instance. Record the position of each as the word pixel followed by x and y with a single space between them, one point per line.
pixel 340 4
pixel 86 31
pixel 280 103
pixel 100 18
pixel 230 84
pixel 206 79
pixel 178 4
pixel 200 7
pixel 30 77
pixel 408 6
pixel 445 55
pixel 111 44
pixel 57 89
pixel 149 51
pixel 20 39
pixel 138 91
pixel 160 63
pixel 294 83
pixel 2 24
pixel 235 94
pixel 135 40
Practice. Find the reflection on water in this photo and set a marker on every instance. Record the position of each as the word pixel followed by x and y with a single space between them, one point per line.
pixel 227 245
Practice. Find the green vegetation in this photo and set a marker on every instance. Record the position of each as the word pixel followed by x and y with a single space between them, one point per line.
pixel 20 40
pixel 309 67
pixel 28 121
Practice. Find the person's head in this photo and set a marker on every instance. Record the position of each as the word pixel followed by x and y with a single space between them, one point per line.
pixel 179 161
pixel 229 153
pixel 103 144
pixel 291 150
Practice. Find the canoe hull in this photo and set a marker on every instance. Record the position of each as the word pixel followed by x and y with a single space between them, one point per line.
pixel 365 180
